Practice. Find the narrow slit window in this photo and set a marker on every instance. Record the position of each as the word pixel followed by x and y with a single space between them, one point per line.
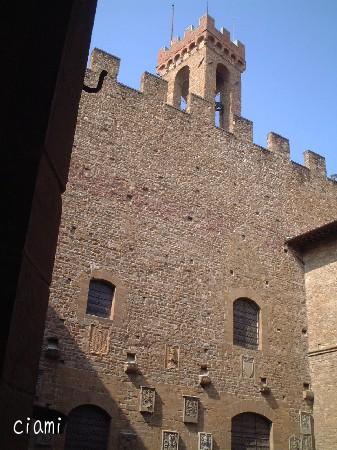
pixel 100 298
pixel 218 110
pixel 222 97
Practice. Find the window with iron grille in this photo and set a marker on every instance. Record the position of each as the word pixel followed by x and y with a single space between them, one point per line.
pixel 246 323
pixel 100 298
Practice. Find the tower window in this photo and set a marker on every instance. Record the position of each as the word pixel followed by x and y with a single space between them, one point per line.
pixel 181 88
pixel 222 97
pixel 100 298
pixel 246 323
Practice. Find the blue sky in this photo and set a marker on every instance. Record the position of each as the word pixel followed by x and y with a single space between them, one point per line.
pixel 290 84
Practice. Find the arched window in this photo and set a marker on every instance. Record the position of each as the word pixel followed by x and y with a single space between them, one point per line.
pixel 100 298
pixel 181 88
pixel 246 323
pixel 250 431
pixel 222 97
pixel 87 429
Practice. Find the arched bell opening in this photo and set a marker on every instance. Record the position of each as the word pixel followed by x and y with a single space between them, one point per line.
pixel 181 88
pixel 222 97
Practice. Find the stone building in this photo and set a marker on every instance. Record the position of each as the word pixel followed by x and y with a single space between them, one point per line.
pixel 178 316
pixel 318 251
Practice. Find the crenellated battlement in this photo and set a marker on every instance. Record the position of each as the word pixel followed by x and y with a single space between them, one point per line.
pixel 204 35
pixel 154 88
pixel 153 91
pixel 101 60
pixel 315 163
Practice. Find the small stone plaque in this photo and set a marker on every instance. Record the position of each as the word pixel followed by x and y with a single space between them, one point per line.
pixel 191 409
pixel 147 399
pixel 170 440
pixel 172 357
pixel 247 367
pixel 305 421
pixel 307 443
pixel 294 443
pixel 205 441
pixel 127 441
pixel 99 338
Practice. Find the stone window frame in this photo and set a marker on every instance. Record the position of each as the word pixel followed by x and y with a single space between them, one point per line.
pixel 119 304
pixel 230 297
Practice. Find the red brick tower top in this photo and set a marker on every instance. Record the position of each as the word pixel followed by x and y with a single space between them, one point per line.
pixel 205 63
pixel 220 41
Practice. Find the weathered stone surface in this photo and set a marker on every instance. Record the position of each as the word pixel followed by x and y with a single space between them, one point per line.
pixel 170 440
pixel 305 421
pixel 294 443
pixel 191 409
pixel 247 367
pixel 205 441
pixel 99 338
pixel 127 441
pixel 320 262
pixel 147 399
pixel 306 443
pixel 172 357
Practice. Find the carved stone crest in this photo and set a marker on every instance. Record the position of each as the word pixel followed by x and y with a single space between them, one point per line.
pixel 99 337
pixel 147 399
pixel 305 421
pixel 248 367
pixel 170 440
pixel 205 441
pixel 191 409
pixel 127 441
pixel 306 443
pixel 294 443
pixel 172 357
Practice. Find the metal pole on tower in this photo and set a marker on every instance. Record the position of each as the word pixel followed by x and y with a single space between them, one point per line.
pixel 172 24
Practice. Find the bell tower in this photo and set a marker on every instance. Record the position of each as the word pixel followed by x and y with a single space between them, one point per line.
pixel 206 63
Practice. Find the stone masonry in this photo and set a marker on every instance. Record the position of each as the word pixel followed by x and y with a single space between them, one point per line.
pixel 183 217
pixel 318 249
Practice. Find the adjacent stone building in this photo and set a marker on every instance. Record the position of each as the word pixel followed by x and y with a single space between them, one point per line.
pixel 181 315
pixel 318 250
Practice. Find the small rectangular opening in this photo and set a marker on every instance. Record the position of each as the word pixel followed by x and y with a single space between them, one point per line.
pixel 131 357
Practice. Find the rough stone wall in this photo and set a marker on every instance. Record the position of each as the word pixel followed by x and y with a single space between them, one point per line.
pixel 321 291
pixel 185 217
